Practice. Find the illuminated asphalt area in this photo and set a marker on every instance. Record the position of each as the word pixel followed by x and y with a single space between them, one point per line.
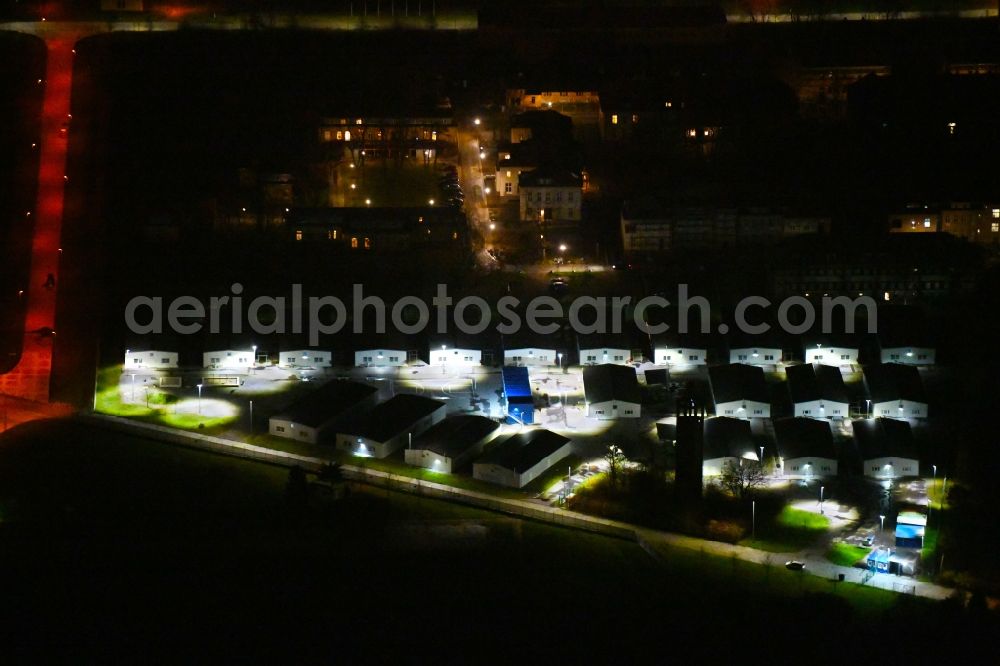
pixel 30 378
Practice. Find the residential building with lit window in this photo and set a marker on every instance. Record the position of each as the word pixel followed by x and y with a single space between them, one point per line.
pixel 149 360
pixel 530 357
pixel 680 350
pixel 611 391
pixel 451 444
pixel 817 391
pixel 453 356
pixel 727 441
pixel 414 134
pixel 649 226
pixel 380 358
pixel 739 391
pixel 755 355
pixel 229 359
pixel 378 229
pixel 975 222
pixel 805 448
pixel 312 418
pixel 908 355
pixel 831 351
pixel 305 358
pixel 389 426
pixel 886 448
pixel 902 268
pixel 550 195
pixel 517 460
pixel 896 391
pixel 583 107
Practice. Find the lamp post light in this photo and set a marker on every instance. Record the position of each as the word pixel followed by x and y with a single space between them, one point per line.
pixel 753 519
pixel 761 461
pixel 868 408
pixel 443 359
pixel 251 417
pixel 881 519
pixel 133 387
pixel 253 367
pixel 559 356
pixel 199 397
pixel 821 489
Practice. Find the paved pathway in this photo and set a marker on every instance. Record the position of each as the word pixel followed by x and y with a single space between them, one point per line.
pixel 30 377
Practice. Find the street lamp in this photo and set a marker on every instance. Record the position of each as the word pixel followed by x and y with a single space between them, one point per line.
pixel 881 526
pixel 868 408
pixel 199 397
pixel 133 387
pixel 821 488
pixel 761 461
pixel 477 121
pixel 253 367
pixel 251 417
pixel 443 359
pixel 753 519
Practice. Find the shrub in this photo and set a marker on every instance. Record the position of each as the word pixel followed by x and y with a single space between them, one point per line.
pixel 724 530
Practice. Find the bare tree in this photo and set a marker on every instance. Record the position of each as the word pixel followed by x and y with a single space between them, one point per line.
pixel 616 460
pixel 740 478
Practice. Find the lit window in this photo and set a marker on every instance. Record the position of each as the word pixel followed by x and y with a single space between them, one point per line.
pixel 692 133
pixel 635 118
pixel 434 136
pixel 358 121
pixel 354 242
pixel 668 104
pixel 995 227
pixel 340 136
pixel 454 235
pixel 327 135
pixel 996 213
pixel 927 223
pixel 614 118
pixel 368 243
pixel 298 234
pixel 347 135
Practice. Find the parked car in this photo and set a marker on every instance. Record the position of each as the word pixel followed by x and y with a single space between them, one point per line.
pixel 795 565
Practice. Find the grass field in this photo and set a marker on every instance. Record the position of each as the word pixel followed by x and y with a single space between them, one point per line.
pixel 146 545
pixel 791 530
pixel 386 185
pixel 162 407
pixel 845 554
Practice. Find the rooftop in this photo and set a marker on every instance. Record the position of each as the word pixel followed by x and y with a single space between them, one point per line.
pixel 454 435
pixel 884 438
pixel 815 382
pixel 391 417
pixel 728 438
pixel 515 382
pixel 524 450
pixel 894 381
pixel 610 382
pixel 804 438
pixel 545 176
pixel 738 381
pixel 326 403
